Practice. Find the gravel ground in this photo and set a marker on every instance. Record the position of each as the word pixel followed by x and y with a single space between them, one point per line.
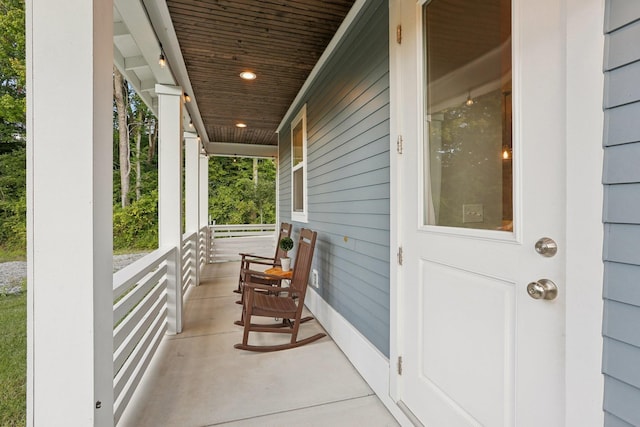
pixel 12 273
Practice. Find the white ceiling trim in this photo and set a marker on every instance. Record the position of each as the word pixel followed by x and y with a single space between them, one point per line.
pixel 161 20
pixel 229 149
pixel 142 70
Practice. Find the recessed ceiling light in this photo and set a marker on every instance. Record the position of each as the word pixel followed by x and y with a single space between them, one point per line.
pixel 241 125
pixel 248 75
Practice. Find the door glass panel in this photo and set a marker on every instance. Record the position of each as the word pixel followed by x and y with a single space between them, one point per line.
pixel 468 138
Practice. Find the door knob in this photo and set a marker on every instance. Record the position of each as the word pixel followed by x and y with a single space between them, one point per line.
pixel 542 289
pixel 546 247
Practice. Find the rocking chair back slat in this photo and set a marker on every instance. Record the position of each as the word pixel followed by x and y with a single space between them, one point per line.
pixel 302 265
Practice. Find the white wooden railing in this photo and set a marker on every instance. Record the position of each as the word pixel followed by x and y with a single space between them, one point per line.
pixel 203 238
pixel 140 321
pixel 140 294
pixel 226 241
pixel 189 261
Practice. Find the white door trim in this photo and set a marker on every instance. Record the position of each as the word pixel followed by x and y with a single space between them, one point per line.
pixel 584 270
pixel 395 193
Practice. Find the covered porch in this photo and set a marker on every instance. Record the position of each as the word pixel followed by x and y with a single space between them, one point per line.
pixel 152 321
pixel 197 378
pixel 344 121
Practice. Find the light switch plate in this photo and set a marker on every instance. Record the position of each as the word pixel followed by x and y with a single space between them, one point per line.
pixel 472 213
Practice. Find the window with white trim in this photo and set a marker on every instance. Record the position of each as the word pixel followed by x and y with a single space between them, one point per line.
pixel 299 166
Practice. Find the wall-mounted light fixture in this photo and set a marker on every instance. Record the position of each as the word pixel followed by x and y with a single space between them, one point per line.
pixel 162 60
pixel 187 98
pixel 469 102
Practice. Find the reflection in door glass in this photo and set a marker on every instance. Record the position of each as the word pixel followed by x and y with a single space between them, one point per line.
pixel 468 138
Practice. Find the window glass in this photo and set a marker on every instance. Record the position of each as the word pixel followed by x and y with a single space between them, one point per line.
pixel 299 166
pixel 298 192
pixel 297 138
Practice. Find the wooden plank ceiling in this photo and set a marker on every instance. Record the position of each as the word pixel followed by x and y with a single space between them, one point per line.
pixel 279 40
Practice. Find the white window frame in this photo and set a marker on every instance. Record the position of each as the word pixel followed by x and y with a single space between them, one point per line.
pixel 297 215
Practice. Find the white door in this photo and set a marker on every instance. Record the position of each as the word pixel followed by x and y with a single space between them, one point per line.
pixel 481 104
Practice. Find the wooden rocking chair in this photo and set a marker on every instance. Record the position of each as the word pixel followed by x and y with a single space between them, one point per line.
pixel 280 303
pixel 248 259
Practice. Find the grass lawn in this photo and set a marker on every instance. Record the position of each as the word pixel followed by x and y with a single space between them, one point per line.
pixel 13 359
pixel 12 255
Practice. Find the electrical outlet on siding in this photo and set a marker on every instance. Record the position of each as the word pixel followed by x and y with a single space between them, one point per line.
pixel 315 282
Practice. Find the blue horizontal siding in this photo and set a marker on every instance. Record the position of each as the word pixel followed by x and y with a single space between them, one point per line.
pixel 621 85
pixel 348 175
pixel 617 401
pixel 621 164
pixel 621 214
pixel 619 13
pixel 613 421
pixel 621 282
pixel 622 203
pixel 617 356
pixel 622 47
pixel 620 323
pixel 621 124
pixel 621 243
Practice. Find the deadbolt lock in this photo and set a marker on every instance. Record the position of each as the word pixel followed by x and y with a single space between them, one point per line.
pixel 546 247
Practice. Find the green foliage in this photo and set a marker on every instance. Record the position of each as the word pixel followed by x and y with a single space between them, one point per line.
pixel 13 353
pixel 234 196
pixel 13 206
pixel 12 75
pixel 13 202
pixel 286 243
pixel 139 118
pixel 135 227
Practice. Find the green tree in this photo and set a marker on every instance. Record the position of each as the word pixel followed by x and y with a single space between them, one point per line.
pixel 13 204
pixel 235 197
pixel 135 225
pixel 12 75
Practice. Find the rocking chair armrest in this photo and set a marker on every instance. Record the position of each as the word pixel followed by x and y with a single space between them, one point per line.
pixel 250 255
pixel 267 261
pixel 278 289
pixel 250 273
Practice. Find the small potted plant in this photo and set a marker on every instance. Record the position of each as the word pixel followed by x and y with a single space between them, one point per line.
pixel 286 244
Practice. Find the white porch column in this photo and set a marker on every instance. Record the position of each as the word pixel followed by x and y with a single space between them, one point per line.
pixel 204 202
pixel 204 191
pixel 170 194
pixel 69 212
pixel 192 191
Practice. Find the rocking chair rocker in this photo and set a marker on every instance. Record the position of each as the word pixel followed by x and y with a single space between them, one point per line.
pixel 268 301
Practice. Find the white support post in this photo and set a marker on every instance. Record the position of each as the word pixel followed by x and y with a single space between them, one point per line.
pixel 204 191
pixel 69 212
pixel 204 201
pixel 170 194
pixel 192 191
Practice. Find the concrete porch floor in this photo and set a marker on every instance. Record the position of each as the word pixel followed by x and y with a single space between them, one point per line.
pixel 198 379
